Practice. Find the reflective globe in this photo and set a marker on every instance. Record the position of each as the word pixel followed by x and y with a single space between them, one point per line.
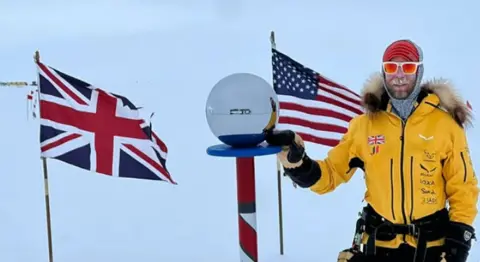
pixel 240 108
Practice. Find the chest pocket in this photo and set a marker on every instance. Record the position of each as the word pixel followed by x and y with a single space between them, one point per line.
pixel 426 154
pixel 380 147
pixel 426 149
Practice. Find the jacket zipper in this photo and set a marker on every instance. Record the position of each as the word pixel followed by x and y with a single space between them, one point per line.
pixel 411 189
pixel 402 138
pixel 464 167
pixel 391 188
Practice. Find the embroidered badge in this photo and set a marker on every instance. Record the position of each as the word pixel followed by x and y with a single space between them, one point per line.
pixel 429 156
pixel 375 142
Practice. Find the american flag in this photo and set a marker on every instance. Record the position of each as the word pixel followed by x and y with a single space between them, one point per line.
pixel 95 130
pixel 313 106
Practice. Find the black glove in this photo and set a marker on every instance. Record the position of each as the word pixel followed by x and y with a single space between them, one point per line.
pixel 286 139
pixel 297 165
pixel 458 242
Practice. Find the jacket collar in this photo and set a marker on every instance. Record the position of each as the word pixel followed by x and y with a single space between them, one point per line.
pixel 435 94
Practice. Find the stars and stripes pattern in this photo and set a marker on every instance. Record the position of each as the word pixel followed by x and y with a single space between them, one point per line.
pixel 315 107
pixel 95 130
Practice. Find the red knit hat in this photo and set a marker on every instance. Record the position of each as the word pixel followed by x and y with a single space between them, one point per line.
pixel 404 49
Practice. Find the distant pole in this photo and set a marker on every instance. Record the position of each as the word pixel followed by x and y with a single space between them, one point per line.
pixel 47 195
pixel 246 196
pixel 279 176
pixel 17 84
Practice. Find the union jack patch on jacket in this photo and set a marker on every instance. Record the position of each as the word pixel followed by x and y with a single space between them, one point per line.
pixel 95 130
pixel 375 142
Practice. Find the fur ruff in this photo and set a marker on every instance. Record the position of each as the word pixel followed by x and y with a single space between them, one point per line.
pixel 373 94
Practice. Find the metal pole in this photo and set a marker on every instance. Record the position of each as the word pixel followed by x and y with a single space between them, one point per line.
pixel 247 216
pixel 279 174
pixel 47 194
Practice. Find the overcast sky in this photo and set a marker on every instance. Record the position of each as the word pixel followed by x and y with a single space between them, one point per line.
pixel 165 56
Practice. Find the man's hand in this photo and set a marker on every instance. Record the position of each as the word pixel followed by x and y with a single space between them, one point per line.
pixel 293 147
pixel 303 171
pixel 351 255
pixel 457 242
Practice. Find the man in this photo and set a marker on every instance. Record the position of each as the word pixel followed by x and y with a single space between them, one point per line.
pixel 412 146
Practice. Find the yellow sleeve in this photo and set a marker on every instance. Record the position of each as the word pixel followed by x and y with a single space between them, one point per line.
pixel 461 182
pixel 341 162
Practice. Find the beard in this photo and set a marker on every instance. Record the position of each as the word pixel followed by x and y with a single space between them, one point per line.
pixel 400 88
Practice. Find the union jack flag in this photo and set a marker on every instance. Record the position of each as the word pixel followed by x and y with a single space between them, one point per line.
pixel 376 140
pixel 95 130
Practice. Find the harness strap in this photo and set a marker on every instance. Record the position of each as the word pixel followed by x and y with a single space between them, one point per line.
pixel 424 230
pixel 421 251
pixel 411 229
pixel 357 238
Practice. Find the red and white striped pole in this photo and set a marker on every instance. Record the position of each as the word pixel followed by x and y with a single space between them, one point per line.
pixel 247 215
pixel 224 120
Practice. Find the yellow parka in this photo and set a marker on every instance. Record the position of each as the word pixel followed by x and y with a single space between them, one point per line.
pixel 411 169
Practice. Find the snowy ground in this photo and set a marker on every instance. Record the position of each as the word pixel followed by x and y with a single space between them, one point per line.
pixel 166 57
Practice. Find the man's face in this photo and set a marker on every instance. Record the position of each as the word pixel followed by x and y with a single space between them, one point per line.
pixel 399 84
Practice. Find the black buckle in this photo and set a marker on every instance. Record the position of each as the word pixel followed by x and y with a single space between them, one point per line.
pixel 413 230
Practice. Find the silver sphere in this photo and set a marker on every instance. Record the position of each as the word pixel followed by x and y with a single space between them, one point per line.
pixel 240 108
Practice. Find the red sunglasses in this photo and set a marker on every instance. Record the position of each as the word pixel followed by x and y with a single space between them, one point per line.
pixel 407 67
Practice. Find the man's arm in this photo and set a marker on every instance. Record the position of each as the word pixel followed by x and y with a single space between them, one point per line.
pixel 461 182
pixel 321 176
pixel 462 195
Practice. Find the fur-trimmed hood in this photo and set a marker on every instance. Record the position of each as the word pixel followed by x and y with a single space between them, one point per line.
pixel 375 98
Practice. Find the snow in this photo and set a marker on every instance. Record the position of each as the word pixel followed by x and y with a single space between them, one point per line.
pixel 165 56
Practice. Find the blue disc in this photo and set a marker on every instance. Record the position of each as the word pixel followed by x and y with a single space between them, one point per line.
pixel 223 150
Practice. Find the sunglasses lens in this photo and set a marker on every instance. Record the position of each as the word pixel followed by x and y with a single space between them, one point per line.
pixel 409 68
pixel 390 68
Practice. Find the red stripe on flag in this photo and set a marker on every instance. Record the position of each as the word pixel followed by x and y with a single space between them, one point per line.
pixel 335 102
pixel 59 142
pixel 60 84
pixel 318 140
pixel 342 96
pixel 314 111
pixel 150 161
pixel 160 143
pixel 313 125
pixel 325 81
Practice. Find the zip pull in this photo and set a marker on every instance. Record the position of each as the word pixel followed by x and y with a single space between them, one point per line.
pixel 402 136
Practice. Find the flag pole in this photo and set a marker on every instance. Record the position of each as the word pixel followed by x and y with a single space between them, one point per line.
pixel 279 174
pixel 20 84
pixel 45 180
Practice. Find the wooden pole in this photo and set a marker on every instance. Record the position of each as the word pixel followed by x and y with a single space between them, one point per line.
pixel 45 180
pixel 279 176
pixel 47 206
